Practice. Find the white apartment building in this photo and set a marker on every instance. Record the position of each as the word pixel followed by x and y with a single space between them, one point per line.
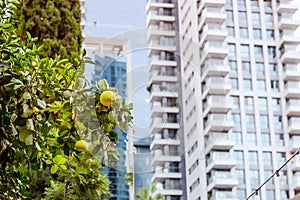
pixel 225 96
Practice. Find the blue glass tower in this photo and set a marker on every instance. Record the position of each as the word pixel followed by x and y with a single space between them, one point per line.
pixel 114 71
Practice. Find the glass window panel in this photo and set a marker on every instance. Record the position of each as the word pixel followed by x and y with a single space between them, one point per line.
pixel 265 139
pixel 264 121
pixel 242 18
pixel 261 85
pixel 243 32
pixel 256 33
pixel 246 67
pixel 267 159
pixel 262 104
pixel 247 84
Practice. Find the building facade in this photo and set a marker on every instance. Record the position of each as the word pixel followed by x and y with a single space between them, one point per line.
pixel 225 81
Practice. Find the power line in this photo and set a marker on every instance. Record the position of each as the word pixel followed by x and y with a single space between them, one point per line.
pixel 255 192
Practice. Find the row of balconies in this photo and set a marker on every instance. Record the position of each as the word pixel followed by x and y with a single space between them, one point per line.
pixel 218 141
pixel 221 179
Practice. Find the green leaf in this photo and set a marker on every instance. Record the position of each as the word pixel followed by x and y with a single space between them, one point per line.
pixel 54 169
pixel 37 146
pixel 59 159
pixel 29 124
pixel 48 162
pixel 64 167
pixel 29 140
pixel 16 81
pixel 26 95
pixel 41 103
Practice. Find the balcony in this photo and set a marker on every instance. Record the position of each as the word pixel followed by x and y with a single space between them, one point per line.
pixel 215 67
pixel 296 181
pixel 161 175
pixel 223 180
pixel 289 54
pixel 156 63
pixel 155 16
pixel 153 33
pixel 158 92
pixel 156 46
pixel 292 90
pixel 218 122
pixel 287 22
pixel 295 164
pixel 218 141
pixel 159 142
pixel 293 107
pixel 159 157
pixel 158 111
pixel 210 3
pixel 225 162
pixel 222 195
pixel 158 124
pixel 294 126
pixel 219 104
pixel 288 37
pixel 291 72
pixel 213 49
pixel 212 32
pixel 156 4
pixel 287 7
pixel 294 144
pixel 211 15
pixel 216 85
pixel 159 78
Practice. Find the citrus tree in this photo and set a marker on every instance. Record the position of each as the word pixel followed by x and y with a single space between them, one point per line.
pixel 144 194
pixel 52 124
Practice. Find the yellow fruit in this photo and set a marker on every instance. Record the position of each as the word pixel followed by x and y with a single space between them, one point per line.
pixel 35 109
pixel 107 98
pixel 81 145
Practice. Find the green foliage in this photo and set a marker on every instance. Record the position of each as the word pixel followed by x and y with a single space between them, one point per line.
pixel 45 108
pixel 144 194
pixel 56 24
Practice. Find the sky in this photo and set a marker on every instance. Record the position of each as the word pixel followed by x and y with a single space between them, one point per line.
pixel 126 19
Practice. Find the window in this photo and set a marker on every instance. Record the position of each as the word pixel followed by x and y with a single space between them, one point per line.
pixel 254 178
pixel 260 69
pixel 265 139
pixel 231 48
pixel 254 4
pixel 268 7
pixel 237 136
pixel 241 3
pixel 269 19
pixel 240 193
pixel 243 32
pixel 258 51
pixel 264 121
pixel 262 104
pixel 235 102
pixel 270 194
pixel 229 3
pixel 237 120
pixel 277 122
pixel 283 180
pixel 246 67
pixel 256 33
pixel 251 138
pixel 229 15
pixel 233 67
pixel 270 34
pixel 242 18
pixel 230 31
pixel 253 160
pixel 249 103
pixel 240 175
pixel 234 83
pixel 280 156
pixel 275 85
pixel 239 157
pixel 267 174
pixel 267 160
pixel 261 85
pixel 284 194
pixel 272 52
pixel 276 106
pixel 255 19
pixel 273 69
pixel 247 83
pixel 250 121
pixel 245 51
pixel 279 140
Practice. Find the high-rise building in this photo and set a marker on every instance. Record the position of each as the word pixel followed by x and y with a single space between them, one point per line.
pixel 142 166
pixel 225 81
pixel 111 64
